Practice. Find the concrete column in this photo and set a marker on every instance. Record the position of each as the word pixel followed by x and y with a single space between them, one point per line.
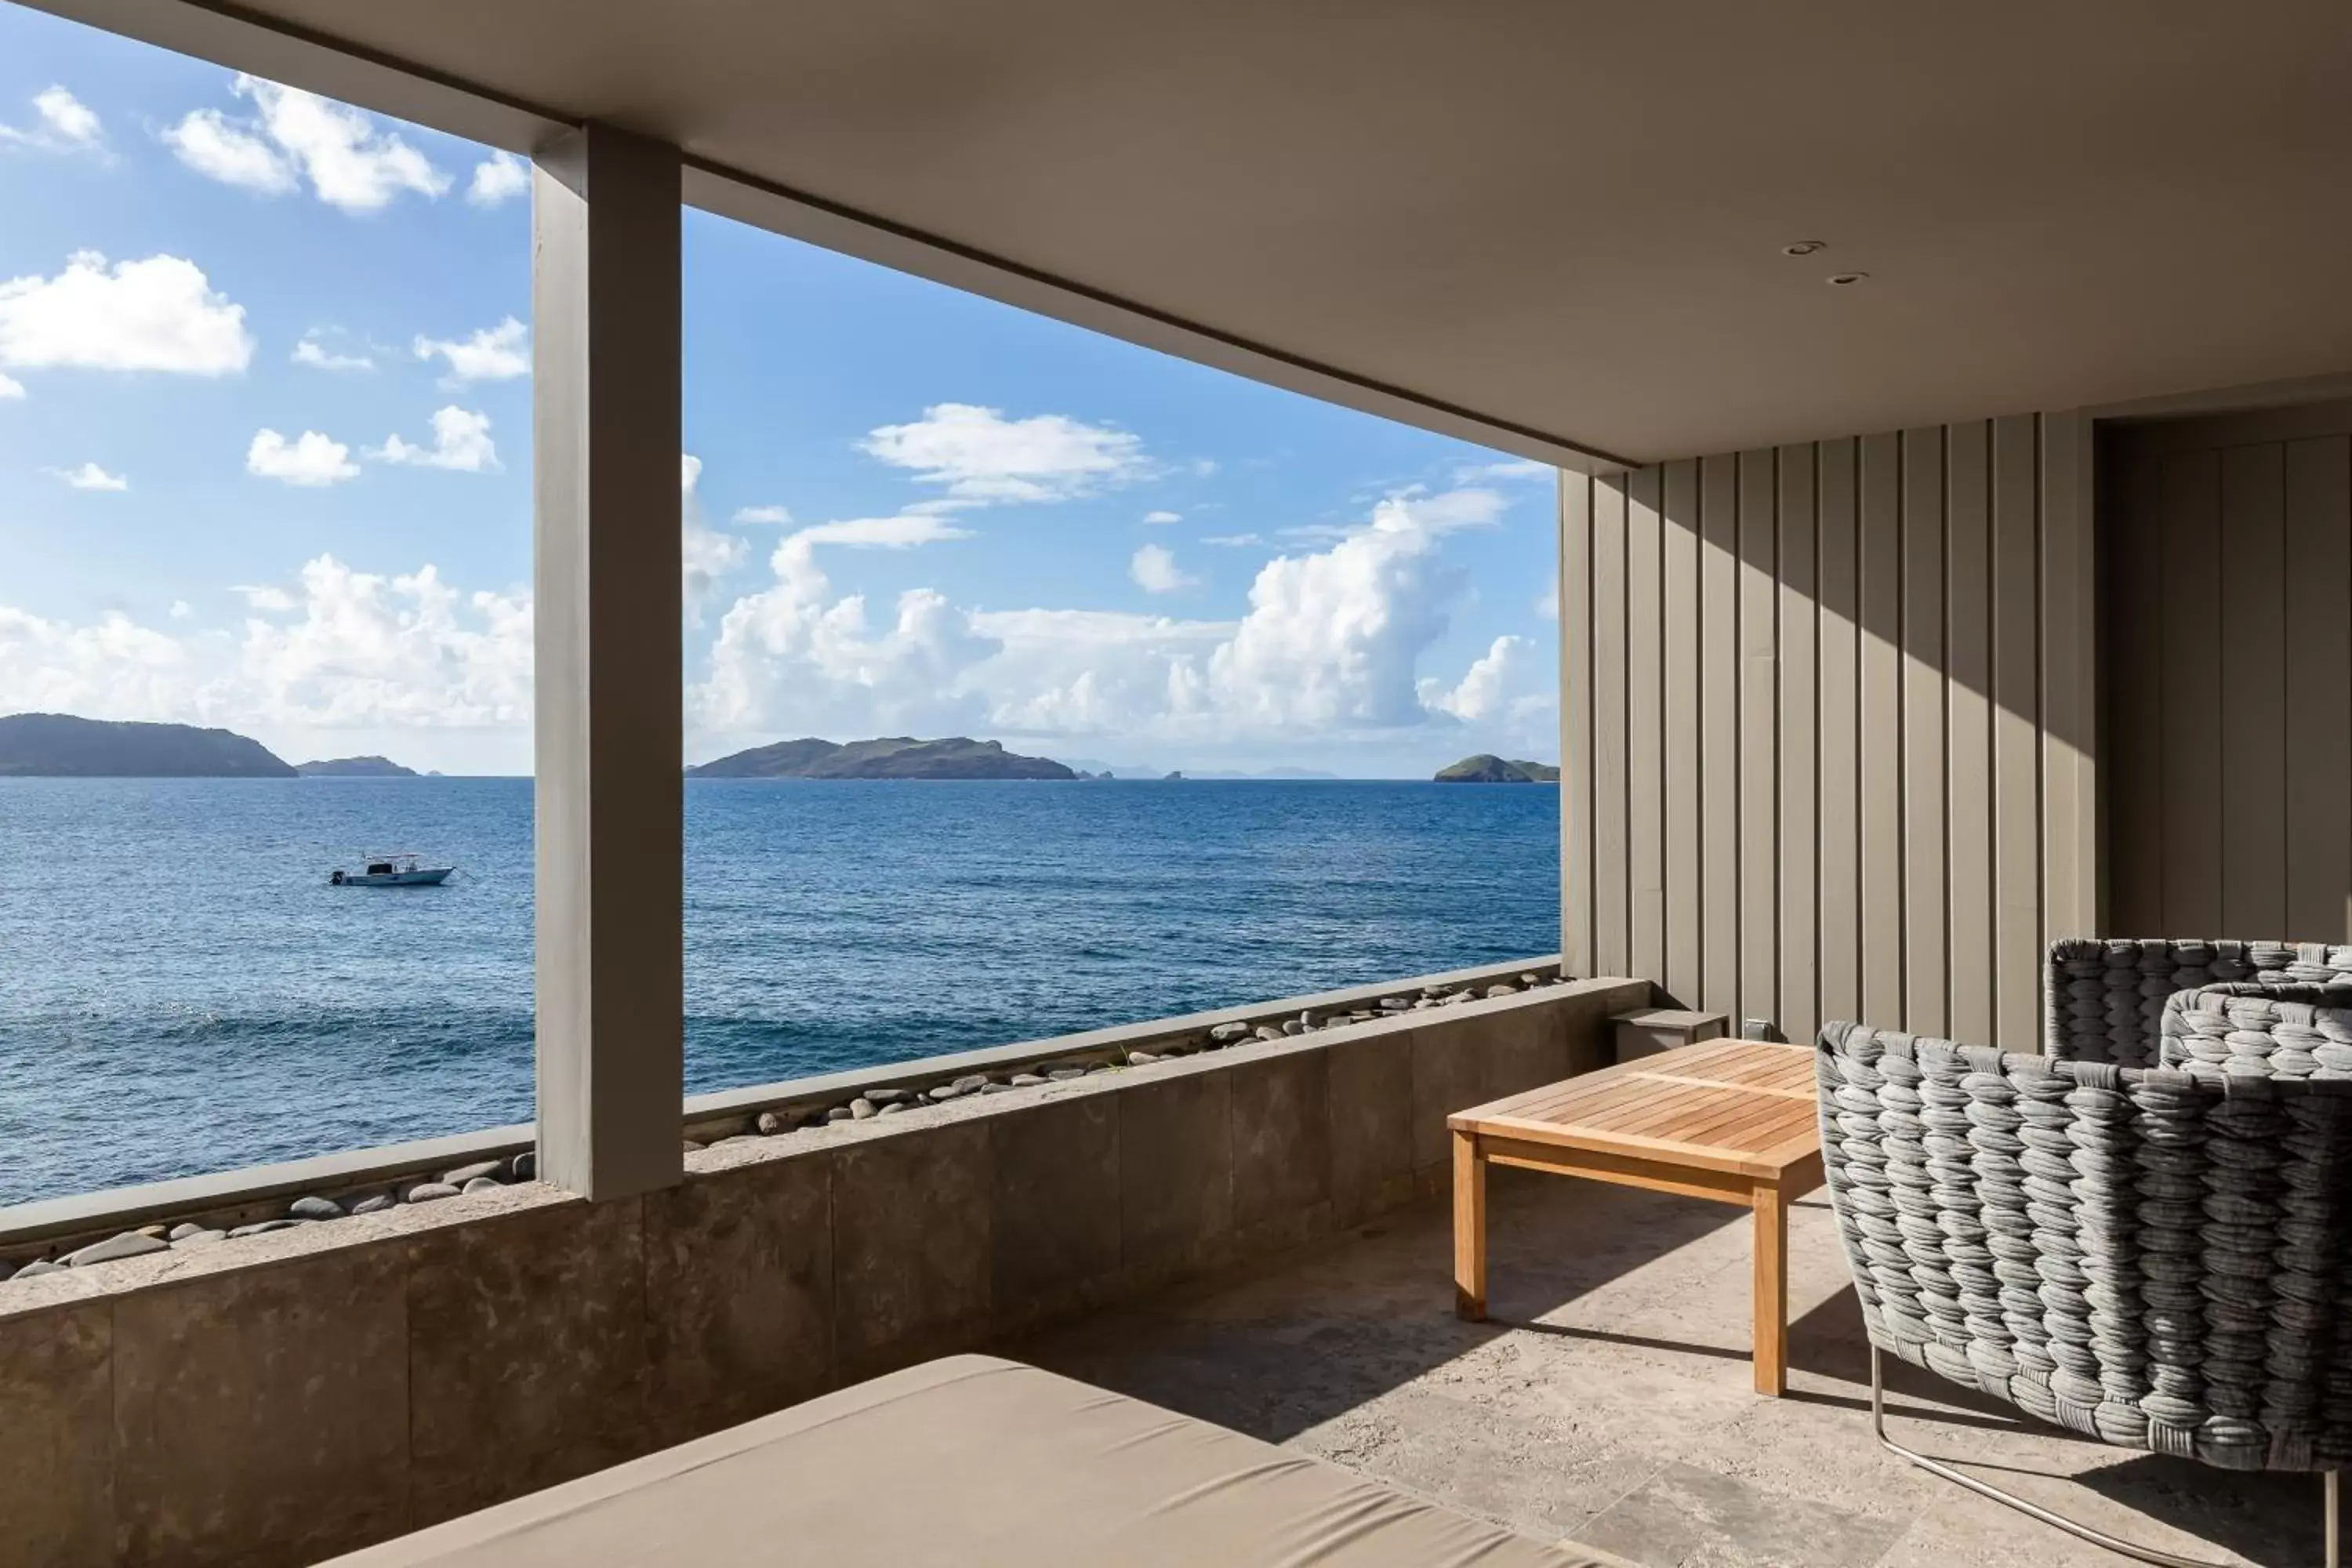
pixel 609 796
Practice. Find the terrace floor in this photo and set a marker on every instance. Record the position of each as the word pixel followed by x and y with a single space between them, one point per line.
pixel 1607 1401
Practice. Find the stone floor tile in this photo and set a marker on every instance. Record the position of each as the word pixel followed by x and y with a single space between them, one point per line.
pixel 1686 1516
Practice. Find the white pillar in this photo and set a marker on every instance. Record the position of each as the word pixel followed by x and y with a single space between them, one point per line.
pixel 609 795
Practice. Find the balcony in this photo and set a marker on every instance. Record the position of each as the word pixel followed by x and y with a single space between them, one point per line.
pixel 1606 1401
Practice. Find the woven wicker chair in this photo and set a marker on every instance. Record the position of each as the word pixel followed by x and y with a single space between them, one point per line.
pixel 2158 1256
pixel 2103 1000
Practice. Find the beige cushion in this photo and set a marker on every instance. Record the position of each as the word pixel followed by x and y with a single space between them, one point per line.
pixel 969 1462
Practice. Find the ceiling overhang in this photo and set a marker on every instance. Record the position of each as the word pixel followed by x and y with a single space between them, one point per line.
pixel 1557 228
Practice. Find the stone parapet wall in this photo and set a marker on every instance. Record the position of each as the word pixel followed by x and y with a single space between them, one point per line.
pixel 308 1390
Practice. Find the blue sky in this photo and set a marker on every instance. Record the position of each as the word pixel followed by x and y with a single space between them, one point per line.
pixel 265 416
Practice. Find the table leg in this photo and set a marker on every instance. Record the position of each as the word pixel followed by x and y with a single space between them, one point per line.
pixel 1469 1228
pixel 1770 1326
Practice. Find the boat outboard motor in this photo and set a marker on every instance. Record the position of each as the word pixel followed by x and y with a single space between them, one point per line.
pixel 334 878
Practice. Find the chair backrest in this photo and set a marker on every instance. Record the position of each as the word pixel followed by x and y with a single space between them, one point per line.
pixel 2157 1260
pixel 2103 1000
pixel 2239 1031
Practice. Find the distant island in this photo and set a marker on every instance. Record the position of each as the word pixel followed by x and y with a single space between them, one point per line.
pixel 897 757
pixel 58 745
pixel 1488 768
pixel 355 768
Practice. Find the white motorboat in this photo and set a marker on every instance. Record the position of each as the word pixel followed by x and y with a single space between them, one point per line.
pixel 396 869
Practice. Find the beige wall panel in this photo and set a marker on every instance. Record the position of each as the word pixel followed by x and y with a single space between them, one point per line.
pixel 2016 736
pixel 1924 786
pixel 1759 763
pixel 1719 740
pixel 1840 689
pixel 1579 770
pixel 1968 717
pixel 2318 586
pixel 1611 937
pixel 1799 748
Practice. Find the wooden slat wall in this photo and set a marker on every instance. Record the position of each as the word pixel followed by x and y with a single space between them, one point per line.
pixel 1836 788
pixel 2229 686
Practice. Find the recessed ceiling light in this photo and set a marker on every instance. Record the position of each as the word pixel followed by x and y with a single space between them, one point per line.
pixel 1804 247
pixel 1840 280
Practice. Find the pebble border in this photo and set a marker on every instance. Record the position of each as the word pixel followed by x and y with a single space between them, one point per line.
pixel 884 1098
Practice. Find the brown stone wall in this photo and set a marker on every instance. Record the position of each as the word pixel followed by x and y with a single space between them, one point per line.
pixel 291 1396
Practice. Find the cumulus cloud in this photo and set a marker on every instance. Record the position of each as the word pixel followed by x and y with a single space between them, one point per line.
pixel 499 178
pixel 795 656
pixel 294 135
pixel 979 457
pixel 763 514
pixel 9 388
pixel 310 459
pixel 315 353
pixel 61 123
pixel 1506 682
pixel 1157 516
pixel 156 314
pixel 704 555
pixel 493 353
pixel 461 441
pixel 336 648
pixel 1155 571
pixel 182 610
pixel 91 477
pixel 207 140
pixel 1548 602
pixel 1329 650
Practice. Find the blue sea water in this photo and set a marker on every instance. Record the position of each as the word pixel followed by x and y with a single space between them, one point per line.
pixel 181 990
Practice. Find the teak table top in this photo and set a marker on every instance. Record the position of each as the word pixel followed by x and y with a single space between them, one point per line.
pixel 1743 1108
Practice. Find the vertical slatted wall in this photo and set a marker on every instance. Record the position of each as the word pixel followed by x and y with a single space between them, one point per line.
pixel 2230 676
pixel 1828 711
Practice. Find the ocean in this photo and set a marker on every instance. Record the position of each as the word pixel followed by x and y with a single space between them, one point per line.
pixel 181 990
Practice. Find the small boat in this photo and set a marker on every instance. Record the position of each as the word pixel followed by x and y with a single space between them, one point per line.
pixel 396 869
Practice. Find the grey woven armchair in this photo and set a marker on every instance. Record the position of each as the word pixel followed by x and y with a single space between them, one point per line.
pixel 2103 1000
pixel 2158 1257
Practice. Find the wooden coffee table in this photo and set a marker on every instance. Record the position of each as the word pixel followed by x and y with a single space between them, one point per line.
pixel 1727 1119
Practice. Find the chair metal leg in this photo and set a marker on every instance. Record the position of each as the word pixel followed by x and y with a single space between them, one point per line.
pixel 2080 1531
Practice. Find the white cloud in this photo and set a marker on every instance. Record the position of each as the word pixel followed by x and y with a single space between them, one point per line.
pixel 498 178
pixel 182 610
pixel 980 456
pixel 1157 516
pixel 704 555
pixel 91 477
pixel 1328 653
pixel 1548 602
pixel 461 440
pixel 310 459
pixel 156 314
pixel 205 141
pixel 493 353
pixel 763 514
pixel 400 650
pixel 337 650
pixel 901 532
pixel 1509 469
pixel 1155 571
pixel 63 123
pixel 263 597
pixel 795 657
pixel 294 135
pixel 318 356
pixel 1503 682
pixel 1235 540
pixel 9 388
